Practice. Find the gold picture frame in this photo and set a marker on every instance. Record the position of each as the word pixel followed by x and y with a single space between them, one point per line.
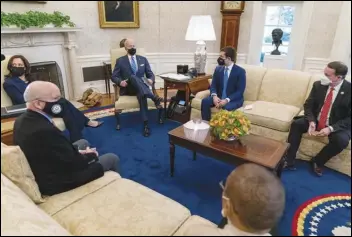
pixel 118 14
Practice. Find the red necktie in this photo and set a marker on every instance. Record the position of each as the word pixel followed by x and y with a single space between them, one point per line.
pixel 325 110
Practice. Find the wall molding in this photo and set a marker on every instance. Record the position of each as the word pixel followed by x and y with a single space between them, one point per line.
pixel 159 62
pixel 315 65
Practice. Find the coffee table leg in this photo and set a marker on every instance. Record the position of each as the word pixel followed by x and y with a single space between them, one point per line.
pixel 279 168
pixel 194 155
pixel 172 158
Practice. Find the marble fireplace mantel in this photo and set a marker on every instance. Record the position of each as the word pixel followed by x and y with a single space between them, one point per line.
pixel 14 38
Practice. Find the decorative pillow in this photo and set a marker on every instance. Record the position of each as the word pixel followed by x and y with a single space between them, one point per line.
pixel 14 166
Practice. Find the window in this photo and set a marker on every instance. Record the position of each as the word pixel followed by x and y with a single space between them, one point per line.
pixel 277 17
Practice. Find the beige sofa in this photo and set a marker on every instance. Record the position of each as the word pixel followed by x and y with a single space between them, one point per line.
pixel 110 205
pixel 278 96
pixel 6 101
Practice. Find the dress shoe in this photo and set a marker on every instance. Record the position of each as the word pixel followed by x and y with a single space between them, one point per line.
pixel 146 131
pixel 289 167
pixel 318 171
pixel 157 102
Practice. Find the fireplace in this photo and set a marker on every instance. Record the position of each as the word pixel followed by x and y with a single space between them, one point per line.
pixel 51 52
pixel 48 71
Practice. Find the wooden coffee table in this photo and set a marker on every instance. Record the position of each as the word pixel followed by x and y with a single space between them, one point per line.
pixel 251 148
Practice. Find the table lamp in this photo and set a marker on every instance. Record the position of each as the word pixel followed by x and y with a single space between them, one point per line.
pixel 200 29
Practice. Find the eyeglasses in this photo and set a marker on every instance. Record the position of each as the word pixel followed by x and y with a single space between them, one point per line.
pixel 223 190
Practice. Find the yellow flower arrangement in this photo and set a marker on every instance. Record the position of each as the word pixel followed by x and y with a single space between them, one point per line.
pixel 226 125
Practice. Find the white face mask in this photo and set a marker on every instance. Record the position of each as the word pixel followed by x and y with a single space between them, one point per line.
pixel 325 81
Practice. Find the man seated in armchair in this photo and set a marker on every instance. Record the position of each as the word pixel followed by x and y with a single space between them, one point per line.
pixel 228 85
pixel 132 73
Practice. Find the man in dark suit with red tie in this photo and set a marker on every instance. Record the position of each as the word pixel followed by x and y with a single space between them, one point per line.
pixel 327 112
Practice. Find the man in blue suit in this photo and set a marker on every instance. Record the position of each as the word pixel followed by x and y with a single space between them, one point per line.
pixel 132 73
pixel 228 85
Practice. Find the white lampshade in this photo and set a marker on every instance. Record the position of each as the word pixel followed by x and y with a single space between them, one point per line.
pixel 200 28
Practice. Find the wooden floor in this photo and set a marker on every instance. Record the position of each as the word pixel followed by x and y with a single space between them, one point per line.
pixel 109 100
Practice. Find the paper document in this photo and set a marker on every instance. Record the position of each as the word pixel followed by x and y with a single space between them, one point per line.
pixel 176 76
pixel 16 108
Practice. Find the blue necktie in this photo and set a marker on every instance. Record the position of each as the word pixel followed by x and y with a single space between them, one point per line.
pixel 134 66
pixel 226 78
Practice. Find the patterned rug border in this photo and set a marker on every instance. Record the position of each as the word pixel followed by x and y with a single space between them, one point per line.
pixel 106 112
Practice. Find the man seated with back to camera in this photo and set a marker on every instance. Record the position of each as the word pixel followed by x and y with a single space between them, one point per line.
pixel 57 164
pixel 253 202
pixel 129 75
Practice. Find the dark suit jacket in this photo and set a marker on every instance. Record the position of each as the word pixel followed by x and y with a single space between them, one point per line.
pixel 236 84
pixel 123 71
pixel 56 163
pixel 340 116
pixel 15 88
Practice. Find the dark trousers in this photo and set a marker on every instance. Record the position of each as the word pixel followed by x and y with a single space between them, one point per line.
pixel 74 120
pixel 337 142
pixel 143 92
pixel 208 103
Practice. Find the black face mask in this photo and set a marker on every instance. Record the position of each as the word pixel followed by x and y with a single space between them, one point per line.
pixel 54 108
pixel 132 51
pixel 17 71
pixel 221 61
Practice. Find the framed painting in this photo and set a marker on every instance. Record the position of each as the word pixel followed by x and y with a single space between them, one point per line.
pixel 118 14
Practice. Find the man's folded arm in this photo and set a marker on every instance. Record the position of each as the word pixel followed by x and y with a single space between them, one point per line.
pixel 116 73
pixel 309 105
pixel 61 149
pixel 148 71
pixel 241 86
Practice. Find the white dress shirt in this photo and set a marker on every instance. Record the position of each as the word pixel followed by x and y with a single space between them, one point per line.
pixel 229 68
pixel 335 92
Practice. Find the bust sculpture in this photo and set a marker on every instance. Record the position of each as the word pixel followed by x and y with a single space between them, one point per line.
pixel 276 35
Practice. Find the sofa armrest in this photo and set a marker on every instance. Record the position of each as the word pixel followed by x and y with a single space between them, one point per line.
pixel 202 94
pixel 116 92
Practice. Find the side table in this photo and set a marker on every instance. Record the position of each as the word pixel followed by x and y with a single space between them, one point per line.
pixel 191 86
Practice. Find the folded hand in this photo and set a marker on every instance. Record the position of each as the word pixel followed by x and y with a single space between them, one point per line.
pixel 89 150
pixel 324 132
pixel 123 83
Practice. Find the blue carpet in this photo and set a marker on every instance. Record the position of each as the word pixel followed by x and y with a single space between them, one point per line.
pixel 196 183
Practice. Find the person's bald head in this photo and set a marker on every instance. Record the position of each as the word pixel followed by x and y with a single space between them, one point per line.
pixel 255 196
pixel 129 43
pixel 38 93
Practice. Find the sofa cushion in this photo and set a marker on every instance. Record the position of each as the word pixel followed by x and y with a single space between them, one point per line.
pixel 58 202
pixel 272 115
pixel 254 78
pixel 123 207
pixel 131 102
pixel 195 222
pixel 284 87
pixel 59 123
pixel 14 165
pixel 21 217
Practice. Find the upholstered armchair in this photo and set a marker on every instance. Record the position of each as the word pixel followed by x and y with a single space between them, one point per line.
pixel 125 102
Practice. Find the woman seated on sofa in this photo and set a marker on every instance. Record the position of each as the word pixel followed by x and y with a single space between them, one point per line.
pixel 17 81
pixel 253 202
